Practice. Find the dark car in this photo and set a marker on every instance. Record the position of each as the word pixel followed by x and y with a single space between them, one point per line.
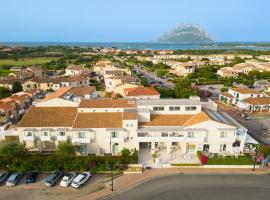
pixel 3 177
pixel 54 178
pixel 31 177
pixel 14 179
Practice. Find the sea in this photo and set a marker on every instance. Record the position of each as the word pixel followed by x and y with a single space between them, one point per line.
pixel 149 45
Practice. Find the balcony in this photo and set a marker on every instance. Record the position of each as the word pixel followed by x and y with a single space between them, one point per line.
pixel 29 138
pixel 45 138
pixel 161 139
pixel 61 138
pixel 81 140
pixel 195 139
pixel 115 140
pixel 226 139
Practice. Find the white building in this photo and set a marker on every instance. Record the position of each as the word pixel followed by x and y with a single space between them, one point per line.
pixel 176 127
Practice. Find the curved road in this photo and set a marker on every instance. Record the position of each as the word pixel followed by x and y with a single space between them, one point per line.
pixel 196 187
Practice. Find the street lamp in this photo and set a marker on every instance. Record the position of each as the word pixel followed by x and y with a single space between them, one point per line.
pixel 112 165
pixel 257 153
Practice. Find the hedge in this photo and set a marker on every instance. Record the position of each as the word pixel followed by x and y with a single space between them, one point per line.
pixel 241 160
pixel 51 162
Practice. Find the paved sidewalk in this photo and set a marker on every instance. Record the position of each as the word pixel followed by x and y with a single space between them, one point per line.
pixel 130 180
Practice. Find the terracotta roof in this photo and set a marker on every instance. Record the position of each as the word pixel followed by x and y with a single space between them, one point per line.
pixel 41 80
pixel 78 91
pixel 130 115
pixel 49 117
pixel 198 118
pixel 245 90
pixel 140 91
pixel 81 91
pixel 107 103
pixel 226 94
pixel 98 120
pixel 10 81
pixel 5 106
pixel 175 120
pixel 258 101
pixel 57 94
pixel 75 67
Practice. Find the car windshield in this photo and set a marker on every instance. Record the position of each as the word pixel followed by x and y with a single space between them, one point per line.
pixel 52 177
pixel 13 176
pixel 1 175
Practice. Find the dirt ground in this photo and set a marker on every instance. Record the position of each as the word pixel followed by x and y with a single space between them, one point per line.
pixel 38 191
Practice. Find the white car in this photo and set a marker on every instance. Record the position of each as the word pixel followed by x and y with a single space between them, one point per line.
pixel 80 179
pixel 67 179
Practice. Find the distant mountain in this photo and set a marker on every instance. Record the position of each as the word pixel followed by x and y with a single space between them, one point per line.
pixel 186 33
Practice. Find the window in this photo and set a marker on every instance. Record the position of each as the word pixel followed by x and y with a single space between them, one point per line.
pixel 190 135
pixel 114 134
pixel 45 133
pixel 190 108
pixel 115 148
pixel 61 133
pixel 222 147
pixel 158 108
pixel 223 134
pixel 164 134
pixel 82 134
pixel 206 147
pixel 142 134
pixel 174 108
pixel 193 108
pixel 29 134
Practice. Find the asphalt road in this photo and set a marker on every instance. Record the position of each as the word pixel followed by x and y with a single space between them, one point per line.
pixel 152 76
pixel 200 187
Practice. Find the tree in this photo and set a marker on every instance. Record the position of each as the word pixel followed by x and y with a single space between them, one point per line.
pixel 11 150
pixel 4 92
pixel 16 87
pixel 161 72
pixel 65 149
pixel 183 89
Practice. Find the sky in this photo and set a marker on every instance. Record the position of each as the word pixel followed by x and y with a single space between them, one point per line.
pixel 130 20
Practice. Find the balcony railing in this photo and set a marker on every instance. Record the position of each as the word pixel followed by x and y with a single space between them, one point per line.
pixel 45 138
pixel 226 139
pixel 61 137
pixel 81 140
pixel 29 138
pixel 195 139
pixel 161 139
pixel 115 140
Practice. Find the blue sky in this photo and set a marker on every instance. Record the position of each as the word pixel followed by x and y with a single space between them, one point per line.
pixel 130 21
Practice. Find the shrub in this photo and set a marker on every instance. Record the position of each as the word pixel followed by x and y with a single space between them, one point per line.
pixel 203 159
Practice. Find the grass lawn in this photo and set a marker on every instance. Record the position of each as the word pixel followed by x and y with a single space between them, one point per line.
pixel 241 160
pixel 26 61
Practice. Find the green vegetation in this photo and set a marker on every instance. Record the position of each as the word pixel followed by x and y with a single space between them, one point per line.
pixel 65 149
pixel 25 61
pixel 13 157
pixel 4 92
pixel 16 87
pixel 241 160
pixel 183 88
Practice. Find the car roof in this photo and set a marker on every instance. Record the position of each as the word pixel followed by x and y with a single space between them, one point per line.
pixel 79 177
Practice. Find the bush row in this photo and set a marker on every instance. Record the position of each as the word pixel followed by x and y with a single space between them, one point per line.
pixel 51 162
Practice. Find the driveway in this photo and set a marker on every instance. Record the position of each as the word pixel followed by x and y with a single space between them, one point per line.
pixel 196 187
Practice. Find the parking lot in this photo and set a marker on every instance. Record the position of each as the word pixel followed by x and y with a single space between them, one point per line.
pixel 38 190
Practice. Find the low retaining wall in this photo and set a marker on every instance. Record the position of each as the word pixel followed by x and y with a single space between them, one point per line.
pixel 213 166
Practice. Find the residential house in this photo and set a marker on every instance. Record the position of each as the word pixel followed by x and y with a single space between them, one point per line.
pixel 141 92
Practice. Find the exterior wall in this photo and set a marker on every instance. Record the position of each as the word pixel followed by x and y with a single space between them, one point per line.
pixel 144 97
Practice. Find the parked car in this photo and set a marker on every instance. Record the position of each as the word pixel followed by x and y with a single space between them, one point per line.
pixel 3 177
pixel 31 177
pixel 67 179
pixel 53 178
pixel 14 179
pixel 80 179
